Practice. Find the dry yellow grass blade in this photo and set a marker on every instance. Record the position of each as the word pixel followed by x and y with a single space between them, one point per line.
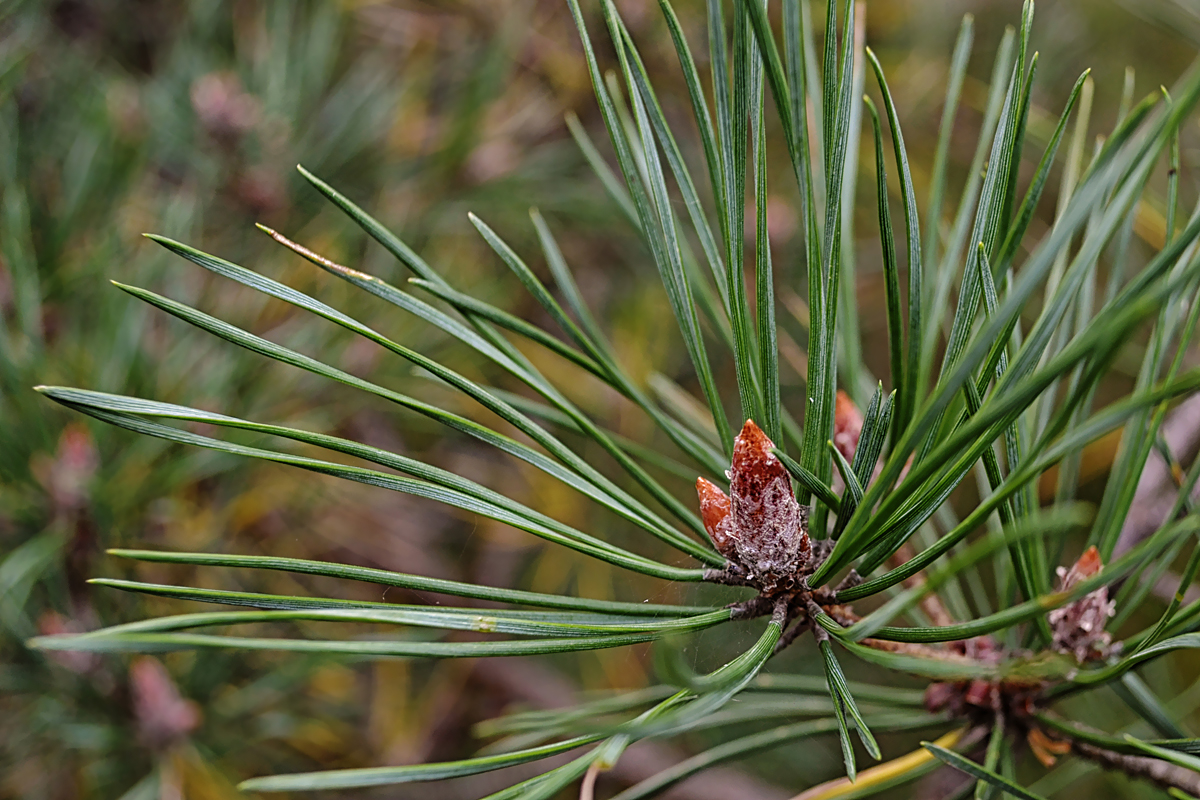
pixel 882 774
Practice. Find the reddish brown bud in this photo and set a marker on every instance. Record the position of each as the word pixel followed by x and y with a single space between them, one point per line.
pixel 1078 627
pixel 980 693
pixel 847 425
pixel 763 504
pixel 760 526
pixel 847 431
pixel 1089 564
pixel 939 696
pixel 715 511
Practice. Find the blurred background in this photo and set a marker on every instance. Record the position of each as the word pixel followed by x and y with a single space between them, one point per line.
pixel 119 117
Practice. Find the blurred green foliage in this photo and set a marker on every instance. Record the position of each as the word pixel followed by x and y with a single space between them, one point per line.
pixel 187 119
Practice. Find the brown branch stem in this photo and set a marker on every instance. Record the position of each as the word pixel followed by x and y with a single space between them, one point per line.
pixel 1162 773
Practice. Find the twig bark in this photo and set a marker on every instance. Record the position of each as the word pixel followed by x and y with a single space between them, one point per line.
pixel 1165 775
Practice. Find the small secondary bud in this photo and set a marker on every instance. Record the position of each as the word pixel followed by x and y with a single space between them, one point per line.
pixel 847 425
pixel 715 512
pixel 1078 627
